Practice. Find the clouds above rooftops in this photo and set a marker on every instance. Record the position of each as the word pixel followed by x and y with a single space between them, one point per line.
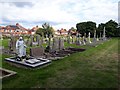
pixel 59 13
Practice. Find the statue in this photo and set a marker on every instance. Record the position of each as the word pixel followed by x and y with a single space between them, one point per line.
pixel 21 48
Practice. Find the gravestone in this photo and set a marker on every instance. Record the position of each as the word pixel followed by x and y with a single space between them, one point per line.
pixel 94 39
pixel 68 40
pixel 78 39
pixel 12 44
pixel 61 43
pixel 42 40
pixel 104 37
pixel 55 45
pixel 83 40
pixel 100 36
pixel 89 41
pixel 34 40
pixel 37 52
pixel 1 49
pixel 97 38
pixel 38 40
pixel 31 40
pixel 1 37
pixel 73 39
pixel 50 43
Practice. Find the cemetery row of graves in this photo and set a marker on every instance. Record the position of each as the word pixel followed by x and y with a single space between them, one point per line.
pixel 44 51
pixel 55 47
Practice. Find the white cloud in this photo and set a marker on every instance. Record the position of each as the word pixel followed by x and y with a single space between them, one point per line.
pixel 65 13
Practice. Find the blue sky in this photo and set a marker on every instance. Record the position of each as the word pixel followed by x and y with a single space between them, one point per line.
pixel 58 13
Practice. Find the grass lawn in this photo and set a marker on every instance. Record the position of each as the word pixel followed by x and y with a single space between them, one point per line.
pixel 97 67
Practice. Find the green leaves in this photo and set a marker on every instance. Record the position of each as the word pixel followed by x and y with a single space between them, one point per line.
pixel 85 27
pixel 46 30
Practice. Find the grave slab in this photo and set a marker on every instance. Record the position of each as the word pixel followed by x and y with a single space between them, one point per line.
pixel 30 63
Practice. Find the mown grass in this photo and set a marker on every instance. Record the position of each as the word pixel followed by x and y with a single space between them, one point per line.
pixel 97 67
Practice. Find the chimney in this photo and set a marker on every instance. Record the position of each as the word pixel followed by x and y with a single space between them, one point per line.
pixel 17 24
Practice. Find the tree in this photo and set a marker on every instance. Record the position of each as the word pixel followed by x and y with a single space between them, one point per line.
pixel 47 29
pixel 111 28
pixel 85 27
pixel 100 28
pixel 40 31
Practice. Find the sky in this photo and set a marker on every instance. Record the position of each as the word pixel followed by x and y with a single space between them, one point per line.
pixel 58 13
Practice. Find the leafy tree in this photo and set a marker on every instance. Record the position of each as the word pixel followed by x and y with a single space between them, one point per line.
pixel 85 27
pixel 40 31
pixel 100 28
pixel 111 28
pixel 46 30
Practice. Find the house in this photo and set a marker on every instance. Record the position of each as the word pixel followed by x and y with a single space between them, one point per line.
pixel 61 32
pixel 34 29
pixel 72 32
pixel 13 29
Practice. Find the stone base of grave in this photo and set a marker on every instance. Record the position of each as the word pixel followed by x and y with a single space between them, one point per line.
pixel 5 73
pixel 31 63
pixel 94 44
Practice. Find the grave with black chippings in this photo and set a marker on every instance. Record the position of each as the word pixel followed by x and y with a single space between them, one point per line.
pixel 5 73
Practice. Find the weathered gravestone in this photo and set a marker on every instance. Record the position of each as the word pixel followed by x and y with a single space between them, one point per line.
pixel 83 40
pixel 55 45
pixel 78 39
pixel 68 39
pixel 1 49
pixel 1 37
pixel 104 37
pixel 61 43
pixel 89 41
pixel 38 40
pixel 73 39
pixel 12 44
pixel 35 40
pixel 97 38
pixel 100 36
pixel 31 40
pixel 37 52
pixel 94 39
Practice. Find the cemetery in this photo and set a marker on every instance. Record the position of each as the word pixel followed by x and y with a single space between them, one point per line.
pixel 59 44
pixel 56 61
